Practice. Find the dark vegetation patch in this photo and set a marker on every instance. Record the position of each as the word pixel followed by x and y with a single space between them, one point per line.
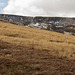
pixel 13 35
pixel 16 60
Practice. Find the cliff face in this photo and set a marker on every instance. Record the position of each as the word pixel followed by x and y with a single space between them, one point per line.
pixel 16 19
pixel 59 24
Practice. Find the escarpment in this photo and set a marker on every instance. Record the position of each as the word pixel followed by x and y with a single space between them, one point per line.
pixel 58 24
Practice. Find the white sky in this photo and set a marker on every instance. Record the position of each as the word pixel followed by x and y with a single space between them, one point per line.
pixel 1 4
pixel 64 8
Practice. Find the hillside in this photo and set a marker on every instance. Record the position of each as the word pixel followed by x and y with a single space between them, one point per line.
pixel 64 25
pixel 29 51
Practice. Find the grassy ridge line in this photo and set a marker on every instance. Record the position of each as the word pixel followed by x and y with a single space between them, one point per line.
pixel 23 32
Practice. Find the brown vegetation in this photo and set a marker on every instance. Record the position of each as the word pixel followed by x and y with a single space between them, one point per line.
pixel 28 51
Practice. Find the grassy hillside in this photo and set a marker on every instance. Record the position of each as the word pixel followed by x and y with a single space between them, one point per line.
pixel 28 51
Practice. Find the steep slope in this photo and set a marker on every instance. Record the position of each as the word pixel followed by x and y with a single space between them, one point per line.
pixel 64 25
pixel 29 51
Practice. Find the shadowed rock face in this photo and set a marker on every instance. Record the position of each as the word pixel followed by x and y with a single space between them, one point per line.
pixel 59 24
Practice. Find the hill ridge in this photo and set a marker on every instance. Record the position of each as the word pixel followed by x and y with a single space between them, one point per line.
pixel 30 51
pixel 59 24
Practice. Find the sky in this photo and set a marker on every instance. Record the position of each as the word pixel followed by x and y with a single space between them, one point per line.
pixel 3 4
pixel 61 8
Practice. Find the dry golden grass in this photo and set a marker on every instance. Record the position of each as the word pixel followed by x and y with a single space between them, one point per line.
pixel 59 44
pixel 29 51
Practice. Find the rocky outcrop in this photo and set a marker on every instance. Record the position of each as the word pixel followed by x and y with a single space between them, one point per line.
pixel 59 24
pixel 21 20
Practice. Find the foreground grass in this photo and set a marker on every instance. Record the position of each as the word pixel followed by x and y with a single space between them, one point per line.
pixel 20 45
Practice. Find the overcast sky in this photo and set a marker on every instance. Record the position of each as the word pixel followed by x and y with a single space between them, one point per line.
pixel 39 7
pixel 3 4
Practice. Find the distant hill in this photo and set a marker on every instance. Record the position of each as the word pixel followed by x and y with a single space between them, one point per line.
pixel 64 25
pixel 30 51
